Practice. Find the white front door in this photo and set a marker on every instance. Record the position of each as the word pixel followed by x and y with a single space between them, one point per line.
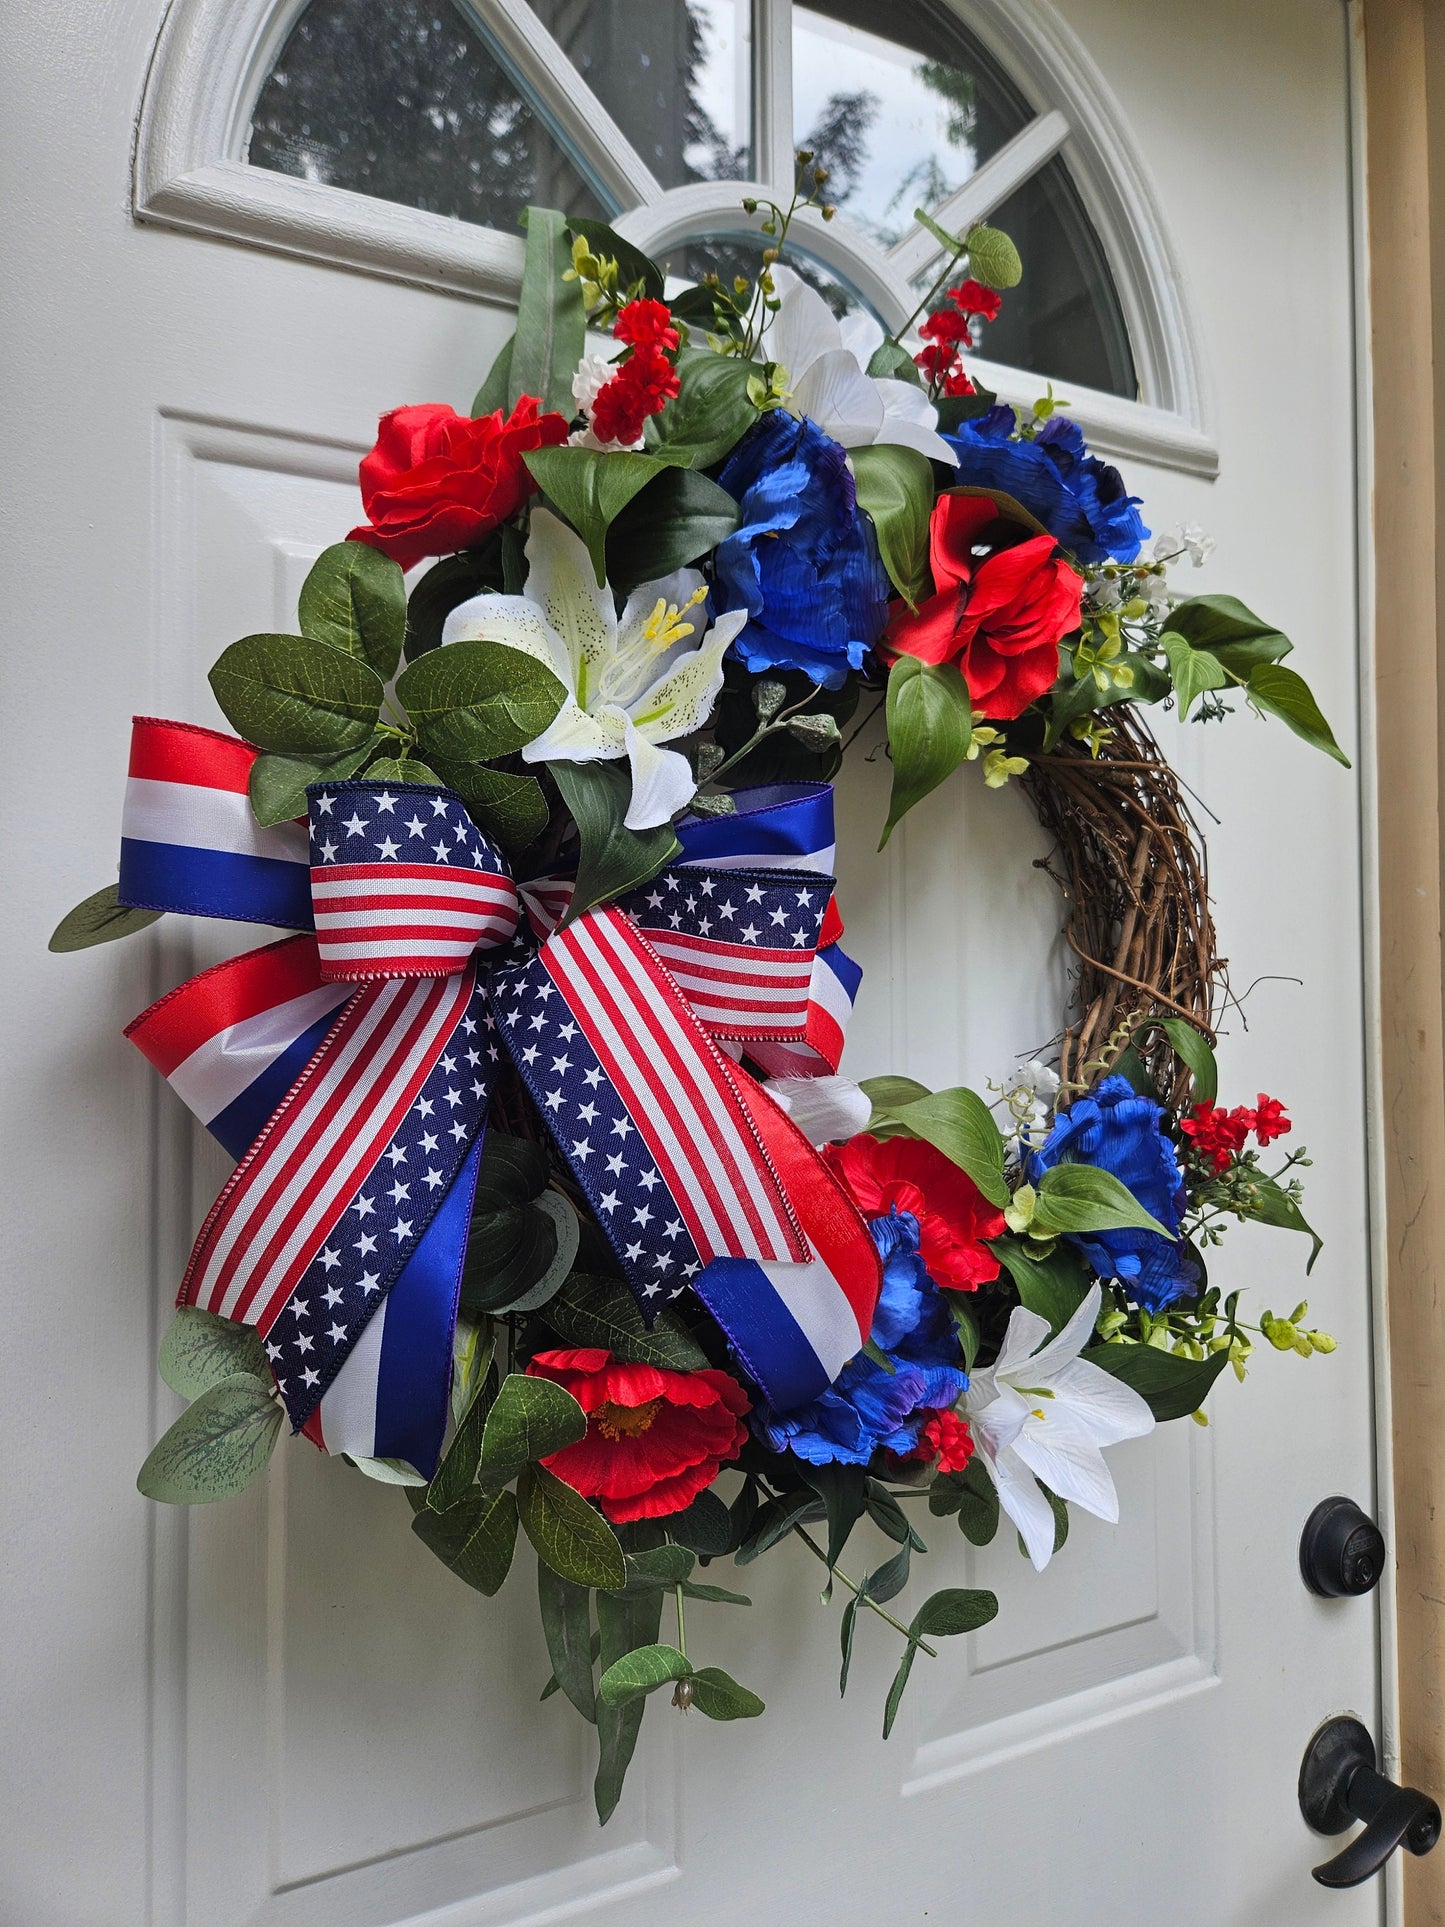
pixel 280 1711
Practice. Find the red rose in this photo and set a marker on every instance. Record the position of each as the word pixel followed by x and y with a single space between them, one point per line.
pixel 438 481
pixel 655 1439
pixel 953 1215
pixel 1000 618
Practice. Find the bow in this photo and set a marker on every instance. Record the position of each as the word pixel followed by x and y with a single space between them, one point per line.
pixel 351 1071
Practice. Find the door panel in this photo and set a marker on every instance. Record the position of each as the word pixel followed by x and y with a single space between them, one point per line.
pixel 281 1711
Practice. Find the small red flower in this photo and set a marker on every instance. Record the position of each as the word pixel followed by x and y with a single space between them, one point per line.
pixel 1269 1120
pixel 1218 1136
pixel 953 1215
pixel 655 1439
pixel 973 298
pixel 1001 618
pixel 645 382
pixel 944 1437
pixel 947 325
pixel 645 324
pixel 438 481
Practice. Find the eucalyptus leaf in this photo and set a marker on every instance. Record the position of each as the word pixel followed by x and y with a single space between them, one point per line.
pixel 895 487
pixel 474 700
pixel 930 726
pixel 591 487
pixel 613 859
pixel 944 1615
pixel 642 1672
pixel 297 695
pixel 602 1312
pixel 355 598
pixel 447 584
pixel 513 1171
pixel 625 1622
pixel 843 1490
pixel 776 1520
pixel 200 1349
pixel 508 1252
pixel 892 1576
pixel 666 1566
pixel 101 918
pixel 551 321
pixel 713 1595
pixel 704 1526
pixel 387 1471
pixel 573 1538
pixel 567 1626
pixel 476 1537
pixel 217 1446
pixel 1074 1198
pixel 510 808
pixel 717 1695
pixel 567 1232
pixel 531 1419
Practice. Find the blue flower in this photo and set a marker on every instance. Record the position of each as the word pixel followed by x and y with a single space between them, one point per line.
pixel 804 563
pixel 1117 1130
pixel 1080 500
pixel 869 1407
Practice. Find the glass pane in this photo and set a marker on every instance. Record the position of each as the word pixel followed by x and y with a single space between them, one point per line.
pixel 901 119
pixel 406 102
pixel 673 74
pixel 741 252
pixel 1064 319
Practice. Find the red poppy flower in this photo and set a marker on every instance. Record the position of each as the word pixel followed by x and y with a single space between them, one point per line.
pixel 655 1439
pixel 1000 618
pixel 953 1215
pixel 438 481
pixel 1270 1120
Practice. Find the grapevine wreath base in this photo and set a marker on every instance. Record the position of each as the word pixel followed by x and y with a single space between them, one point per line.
pixel 551 1205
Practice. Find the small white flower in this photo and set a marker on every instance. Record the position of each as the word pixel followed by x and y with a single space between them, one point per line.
pixel 827 361
pixel 633 681
pixel 1155 591
pixel 592 376
pixel 1041 1413
pixel 1040 1078
pixel 1104 592
pixel 1191 540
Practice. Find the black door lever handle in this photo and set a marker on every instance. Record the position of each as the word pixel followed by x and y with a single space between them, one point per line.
pixel 1339 1784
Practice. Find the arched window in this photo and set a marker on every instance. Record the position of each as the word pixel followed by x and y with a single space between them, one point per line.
pixel 405 136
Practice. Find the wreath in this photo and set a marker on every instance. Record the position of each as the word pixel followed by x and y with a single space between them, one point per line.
pixel 551 1206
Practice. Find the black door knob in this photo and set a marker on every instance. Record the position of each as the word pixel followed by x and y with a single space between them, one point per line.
pixel 1338 1784
pixel 1341 1550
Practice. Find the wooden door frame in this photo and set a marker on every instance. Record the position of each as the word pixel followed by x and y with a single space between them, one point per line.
pixel 1400 57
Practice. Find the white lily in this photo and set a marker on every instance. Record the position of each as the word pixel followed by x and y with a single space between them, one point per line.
pixel 1041 1412
pixel 827 363
pixel 633 681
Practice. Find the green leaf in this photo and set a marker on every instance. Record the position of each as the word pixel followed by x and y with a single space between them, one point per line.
pixel 959 1123
pixel 217 1446
pixel 475 699
pixel 447 584
pixel 625 1621
pixel 775 1521
pixel 641 1672
pixel 993 258
pixel 895 486
pixel 955 410
pixel 1192 670
pixel 475 1538
pixel 719 1696
pixel 573 1538
pixel 513 1171
pixel 1286 695
pixel 1170 1384
pixel 567 1625
pixel 458 1468
pixel 401 769
pixel 954 1610
pixel 888 1093
pixel 508 1251
pixel 843 1490
pixel 1053 1285
pixel 531 1419
pixel 386 1471
pixel 1194 1048
pixel 100 919
pixel 1233 634
pixel 1082 1197
pixel 493 392
pixel 277 784
pixel 704 1526
pixel 930 726
pixel 551 322
pixel 633 266
pixel 1061 1516
pixel 297 695
pixel 714 1595
pixel 677 517
pixel 551 1687
pixel 950 243
pixel 847 1626
pixel 978 1508
pixel 591 487
pixel 710 413
pixel 889 362
pixel 613 859
pixel 511 809
pixel 965 1323
pixel 892 1576
pixel 886 1513
pixel 1275 1206
pixel 355 599
pixel 602 1312
pixel 200 1349
pixel 665 1566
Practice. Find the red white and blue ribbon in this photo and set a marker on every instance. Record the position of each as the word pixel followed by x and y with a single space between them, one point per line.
pixel 351 1075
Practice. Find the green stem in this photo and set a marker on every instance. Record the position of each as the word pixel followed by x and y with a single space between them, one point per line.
pixel 681 1622
pixel 862 1597
pixel 953 261
pixel 769 728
